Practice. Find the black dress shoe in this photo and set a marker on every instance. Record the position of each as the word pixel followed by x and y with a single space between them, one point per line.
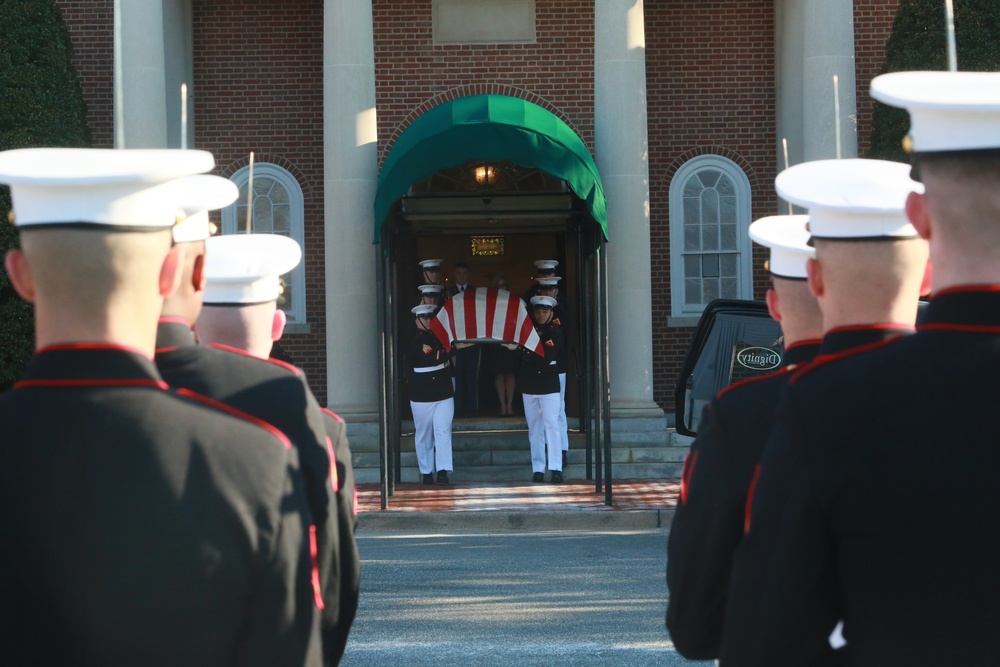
pixel 538 477
pixel 429 478
pixel 442 477
pixel 557 477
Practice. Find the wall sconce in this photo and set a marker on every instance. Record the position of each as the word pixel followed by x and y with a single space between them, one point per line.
pixel 485 174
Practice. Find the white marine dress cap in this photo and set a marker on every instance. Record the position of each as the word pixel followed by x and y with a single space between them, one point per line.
pixel 197 196
pixel 788 239
pixel 546 264
pixel 851 199
pixel 949 111
pixel 126 189
pixel 543 302
pixel 549 281
pixel 430 263
pixel 430 289
pixel 423 309
pixel 247 268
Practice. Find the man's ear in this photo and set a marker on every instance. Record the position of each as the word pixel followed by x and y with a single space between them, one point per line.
pixel 170 271
pixel 20 274
pixel 773 305
pixel 198 273
pixel 278 324
pixel 814 276
pixel 917 213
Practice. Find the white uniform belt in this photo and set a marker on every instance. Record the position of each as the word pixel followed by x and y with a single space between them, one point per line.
pixel 428 369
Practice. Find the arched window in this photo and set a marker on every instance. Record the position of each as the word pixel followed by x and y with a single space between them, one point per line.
pixel 709 246
pixel 277 209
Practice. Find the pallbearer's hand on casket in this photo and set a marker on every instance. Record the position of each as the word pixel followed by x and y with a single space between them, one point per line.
pixel 461 346
pixel 511 346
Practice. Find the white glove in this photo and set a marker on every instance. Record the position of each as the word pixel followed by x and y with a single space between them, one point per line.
pixel 510 346
pixel 461 346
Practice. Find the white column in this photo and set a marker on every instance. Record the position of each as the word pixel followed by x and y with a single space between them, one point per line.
pixel 621 149
pixel 815 41
pixel 178 65
pixel 140 75
pixel 350 176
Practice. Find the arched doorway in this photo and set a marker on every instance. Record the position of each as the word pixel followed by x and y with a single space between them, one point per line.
pixel 490 171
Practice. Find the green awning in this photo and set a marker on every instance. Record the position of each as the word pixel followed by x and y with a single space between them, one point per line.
pixel 489 128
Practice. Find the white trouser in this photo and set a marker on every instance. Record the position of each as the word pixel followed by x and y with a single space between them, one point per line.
pixel 432 434
pixel 542 413
pixel 563 428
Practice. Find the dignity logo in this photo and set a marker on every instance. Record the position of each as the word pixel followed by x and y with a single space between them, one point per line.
pixel 758 358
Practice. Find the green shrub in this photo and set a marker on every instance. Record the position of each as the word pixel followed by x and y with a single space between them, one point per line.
pixel 41 104
pixel 919 42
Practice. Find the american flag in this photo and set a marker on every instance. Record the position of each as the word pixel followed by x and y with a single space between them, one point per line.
pixel 486 315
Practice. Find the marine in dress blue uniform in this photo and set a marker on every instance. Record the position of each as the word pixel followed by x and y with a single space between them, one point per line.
pixel 152 526
pixel 244 274
pixel 538 382
pixel 431 398
pixel 549 286
pixel 432 294
pixel 796 616
pixel 544 268
pixel 718 472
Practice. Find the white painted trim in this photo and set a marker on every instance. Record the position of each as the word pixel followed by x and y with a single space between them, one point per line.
pixel 743 215
pixel 231 225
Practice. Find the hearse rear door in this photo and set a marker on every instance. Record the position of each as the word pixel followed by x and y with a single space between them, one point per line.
pixel 734 340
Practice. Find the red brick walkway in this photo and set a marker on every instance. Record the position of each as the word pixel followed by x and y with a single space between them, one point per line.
pixel 474 497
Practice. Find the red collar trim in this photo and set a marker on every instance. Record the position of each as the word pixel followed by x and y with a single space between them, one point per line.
pixel 808 341
pixel 966 288
pixel 174 319
pixel 964 328
pixel 881 326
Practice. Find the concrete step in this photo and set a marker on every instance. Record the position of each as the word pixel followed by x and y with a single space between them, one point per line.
pixel 522 473
pixel 522 456
pixel 497 450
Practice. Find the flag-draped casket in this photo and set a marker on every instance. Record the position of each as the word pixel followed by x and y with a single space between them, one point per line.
pixel 486 315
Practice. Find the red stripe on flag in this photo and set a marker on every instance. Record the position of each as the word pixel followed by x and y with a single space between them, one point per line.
pixel 514 306
pixel 527 328
pixel 469 305
pixel 441 331
pixel 492 295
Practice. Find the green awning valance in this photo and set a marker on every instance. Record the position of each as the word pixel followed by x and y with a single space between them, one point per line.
pixel 489 128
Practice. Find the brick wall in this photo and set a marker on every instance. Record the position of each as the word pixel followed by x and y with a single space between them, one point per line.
pixel 91 27
pixel 872 25
pixel 258 74
pixel 710 85
pixel 258 86
pixel 413 75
